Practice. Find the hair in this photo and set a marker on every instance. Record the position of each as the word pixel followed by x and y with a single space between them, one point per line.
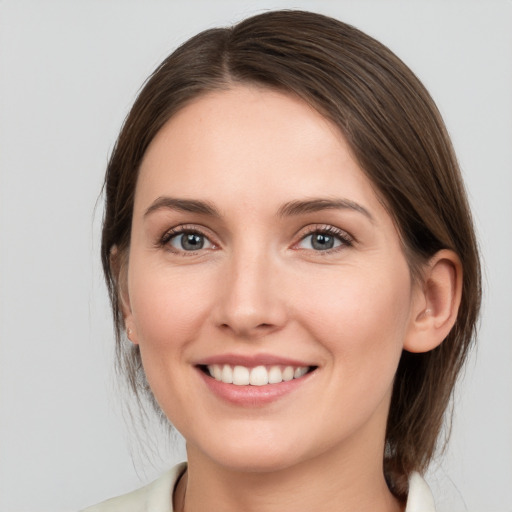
pixel 398 138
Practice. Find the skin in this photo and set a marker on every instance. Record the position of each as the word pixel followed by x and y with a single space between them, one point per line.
pixel 259 286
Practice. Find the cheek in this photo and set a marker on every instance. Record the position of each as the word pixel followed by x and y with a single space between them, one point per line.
pixel 361 316
pixel 169 306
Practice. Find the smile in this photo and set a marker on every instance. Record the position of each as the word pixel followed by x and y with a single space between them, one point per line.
pixel 256 376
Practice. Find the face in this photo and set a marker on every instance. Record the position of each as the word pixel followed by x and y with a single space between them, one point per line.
pixel 266 286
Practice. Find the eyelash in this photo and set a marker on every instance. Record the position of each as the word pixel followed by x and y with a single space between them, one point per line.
pixel 345 239
pixel 182 230
pixel 324 229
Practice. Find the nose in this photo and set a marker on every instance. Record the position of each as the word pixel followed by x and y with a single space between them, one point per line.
pixel 251 301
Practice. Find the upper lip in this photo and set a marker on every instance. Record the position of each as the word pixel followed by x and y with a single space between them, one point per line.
pixel 251 361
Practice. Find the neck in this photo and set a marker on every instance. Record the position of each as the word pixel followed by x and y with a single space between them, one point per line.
pixel 328 482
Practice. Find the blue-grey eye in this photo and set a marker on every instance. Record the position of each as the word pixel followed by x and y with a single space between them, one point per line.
pixel 320 242
pixel 190 242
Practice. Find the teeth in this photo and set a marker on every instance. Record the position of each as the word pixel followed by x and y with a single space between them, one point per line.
pixel 275 376
pixel 240 376
pixel 299 372
pixel 257 376
pixel 227 374
pixel 217 372
pixel 288 373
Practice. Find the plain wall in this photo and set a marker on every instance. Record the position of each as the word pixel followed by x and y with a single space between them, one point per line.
pixel 69 71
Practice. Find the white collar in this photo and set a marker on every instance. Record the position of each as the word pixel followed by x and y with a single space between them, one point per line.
pixel 420 497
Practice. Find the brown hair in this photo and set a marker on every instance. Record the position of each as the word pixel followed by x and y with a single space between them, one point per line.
pixel 399 139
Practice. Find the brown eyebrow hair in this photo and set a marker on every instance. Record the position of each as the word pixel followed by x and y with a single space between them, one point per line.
pixel 183 205
pixel 319 204
pixel 289 209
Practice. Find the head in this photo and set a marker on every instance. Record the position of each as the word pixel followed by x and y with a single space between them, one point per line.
pixel 392 130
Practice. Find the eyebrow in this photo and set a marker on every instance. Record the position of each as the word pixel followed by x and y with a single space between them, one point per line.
pixel 318 204
pixel 290 209
pixel 183 205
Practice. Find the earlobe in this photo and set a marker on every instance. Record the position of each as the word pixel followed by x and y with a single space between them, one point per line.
pixel 131 334
pixel 437 304
pixel 119 266
pixel 129 324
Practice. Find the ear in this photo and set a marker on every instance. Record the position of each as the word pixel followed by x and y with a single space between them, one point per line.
pixel 119 266
pixel 436 302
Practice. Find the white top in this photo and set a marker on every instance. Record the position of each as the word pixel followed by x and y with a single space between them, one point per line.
pixel 156 497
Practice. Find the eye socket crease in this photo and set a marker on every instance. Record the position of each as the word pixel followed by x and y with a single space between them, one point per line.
pixel 331 238
pixel 290 209
pixel 184 236
pixel 334 239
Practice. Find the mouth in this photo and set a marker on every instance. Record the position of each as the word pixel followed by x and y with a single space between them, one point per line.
pixel 254 380
pixel 260 375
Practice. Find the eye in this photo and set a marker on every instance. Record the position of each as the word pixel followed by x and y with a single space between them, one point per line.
pixel 324 239
pixel 187 241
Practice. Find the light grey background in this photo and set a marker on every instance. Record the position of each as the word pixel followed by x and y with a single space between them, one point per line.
pixel 69 71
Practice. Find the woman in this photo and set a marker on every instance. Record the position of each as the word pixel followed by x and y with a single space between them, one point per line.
pixel 289 251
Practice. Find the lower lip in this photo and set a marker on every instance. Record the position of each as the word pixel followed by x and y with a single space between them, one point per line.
pixel 252 396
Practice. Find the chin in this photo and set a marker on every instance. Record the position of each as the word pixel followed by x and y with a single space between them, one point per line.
pixel 251 453
pixel 256 461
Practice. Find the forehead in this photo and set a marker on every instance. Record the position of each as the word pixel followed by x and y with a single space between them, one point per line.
pixel 251 144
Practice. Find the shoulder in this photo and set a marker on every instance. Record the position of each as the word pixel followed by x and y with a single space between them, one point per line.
pixel 155 497
pixel 420 497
